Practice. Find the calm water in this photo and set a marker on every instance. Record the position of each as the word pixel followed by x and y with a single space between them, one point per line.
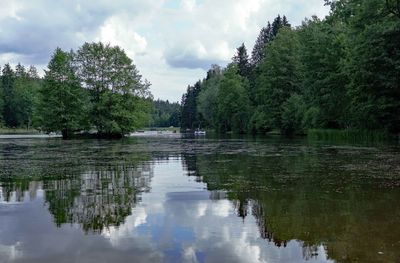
pixel 198 200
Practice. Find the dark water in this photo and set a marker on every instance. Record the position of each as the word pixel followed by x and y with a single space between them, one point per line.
pixel 198 200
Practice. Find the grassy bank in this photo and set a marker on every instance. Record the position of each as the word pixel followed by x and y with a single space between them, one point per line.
pixel 18 131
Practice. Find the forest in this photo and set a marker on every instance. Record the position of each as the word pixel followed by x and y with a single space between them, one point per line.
pixel 166 114
pixel 96 90
pixel 341 72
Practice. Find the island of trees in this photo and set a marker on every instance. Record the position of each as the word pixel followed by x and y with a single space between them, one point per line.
pixel 342 72
pixel 96 90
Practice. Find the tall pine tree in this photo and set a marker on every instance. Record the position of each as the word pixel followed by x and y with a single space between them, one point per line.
pixel 241 59
pixel 258 54
pixel 7 79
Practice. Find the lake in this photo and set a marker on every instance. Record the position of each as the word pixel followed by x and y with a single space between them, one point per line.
pixel 172 199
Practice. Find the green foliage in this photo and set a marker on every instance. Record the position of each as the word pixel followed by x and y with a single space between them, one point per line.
pixel 18 96
pixel 26 88
pixel 258 54
pixel 165 114
pixel 261 120
pixel 63 103
pixel 292 115
pixel 233 102
pixel 241 59
pixel 117 91
pixel 189 115
pixel 373 66
pixel 266 35
pixel 311 118
pixel 97 88
pixel 279 77
pixel 1 105
pixel 207 101
pixel 7 81
pixel 323 81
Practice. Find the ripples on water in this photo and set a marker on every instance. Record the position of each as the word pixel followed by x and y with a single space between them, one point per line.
pixel 171 199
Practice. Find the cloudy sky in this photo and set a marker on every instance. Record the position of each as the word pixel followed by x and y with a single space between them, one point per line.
pixel 172 42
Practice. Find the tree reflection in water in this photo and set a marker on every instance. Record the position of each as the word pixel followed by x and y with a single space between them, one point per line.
pixel 97 199
pixel 319 199
pixel 96 192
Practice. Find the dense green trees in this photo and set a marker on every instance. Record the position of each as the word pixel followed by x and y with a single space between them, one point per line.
pixel 63 103
pixel 338 73
pixel 7 80
pixel 97 88
pixel 207 105
pixel 190 119
pixel 18 96
pixel 233 101
pixel 166 114
pixel 279 76
pixel 373 65
pixel 26 87
pixel 116 90
pixel 323 82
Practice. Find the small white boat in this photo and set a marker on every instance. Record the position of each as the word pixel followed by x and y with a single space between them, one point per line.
pixel 199 132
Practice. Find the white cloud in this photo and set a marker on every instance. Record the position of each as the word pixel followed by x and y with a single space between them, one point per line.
pixel 118 31
pixel 9 9
pixel 188 5
pixel 222 208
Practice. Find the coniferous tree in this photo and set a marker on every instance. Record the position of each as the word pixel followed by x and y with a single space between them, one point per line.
pixel 285 22
pixel 266 35
pixel 33 73
pixel 7 79
pixel 241 59
pixel 258 54
pixel 278 23
pixel 25 97
pixel 189 113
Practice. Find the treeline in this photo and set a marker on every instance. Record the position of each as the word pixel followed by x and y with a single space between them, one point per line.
pixel 166 114
pixel 338 73
pixel 96 89
pixel 19 90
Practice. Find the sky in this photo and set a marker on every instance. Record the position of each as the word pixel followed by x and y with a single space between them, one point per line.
pixel 172 42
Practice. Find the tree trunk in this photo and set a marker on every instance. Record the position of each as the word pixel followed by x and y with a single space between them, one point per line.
pixel 65 134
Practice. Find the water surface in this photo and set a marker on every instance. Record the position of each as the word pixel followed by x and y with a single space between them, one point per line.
pixel 171 199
